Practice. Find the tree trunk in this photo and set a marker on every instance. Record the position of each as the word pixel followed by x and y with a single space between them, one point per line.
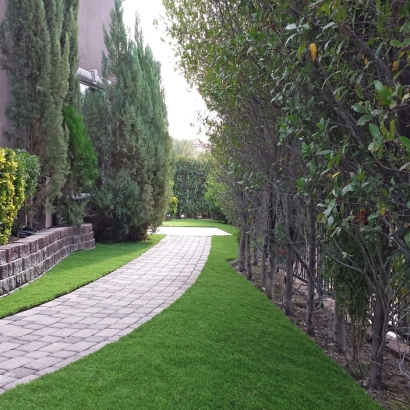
pixel 310 330
pixel 378 344
pixel 289 281
pixel 272 244
pixel 255 249
pixel 241 251
pixel 381 311
pixel 263 262
pixel 248 256
pixel 339 328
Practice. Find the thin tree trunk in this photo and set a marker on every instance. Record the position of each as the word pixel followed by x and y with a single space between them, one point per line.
pixel 288 216
pixel 310 330
pixel 248 256
pixel 339 328
pixel 263 262
pixel 381 312
pixel 241 251
pixel 272 244
pixel 255 248
pixel 289 281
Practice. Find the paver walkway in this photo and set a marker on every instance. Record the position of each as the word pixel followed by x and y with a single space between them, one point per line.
pixel 48 337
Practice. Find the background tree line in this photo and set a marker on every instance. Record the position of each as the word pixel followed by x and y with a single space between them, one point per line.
pixel 311 142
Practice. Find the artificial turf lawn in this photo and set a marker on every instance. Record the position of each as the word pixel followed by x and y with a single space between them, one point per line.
pixel 73 272
pixel 204 223
pixel 222 345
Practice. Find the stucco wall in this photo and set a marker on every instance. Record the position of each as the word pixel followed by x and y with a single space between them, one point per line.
pixel 93 14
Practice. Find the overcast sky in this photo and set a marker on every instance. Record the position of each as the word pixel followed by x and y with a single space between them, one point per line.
pixel 182 102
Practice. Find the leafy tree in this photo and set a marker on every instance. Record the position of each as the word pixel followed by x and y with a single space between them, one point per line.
pixel 312 99
pixel 189 185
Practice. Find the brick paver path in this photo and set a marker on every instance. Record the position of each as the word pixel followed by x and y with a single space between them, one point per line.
pixel 48 337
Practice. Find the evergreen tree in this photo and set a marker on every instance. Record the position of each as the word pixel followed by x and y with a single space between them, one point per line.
pixel 38 67
pixel 128 127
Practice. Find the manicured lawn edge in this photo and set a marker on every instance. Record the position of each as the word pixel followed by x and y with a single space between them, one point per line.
pixel 204 223
pixel 222 345
pixel 75 271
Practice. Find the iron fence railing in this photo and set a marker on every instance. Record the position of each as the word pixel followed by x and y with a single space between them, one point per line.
pixel 324 286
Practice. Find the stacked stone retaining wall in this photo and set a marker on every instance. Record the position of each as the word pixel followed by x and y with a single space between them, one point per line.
pixel 26 259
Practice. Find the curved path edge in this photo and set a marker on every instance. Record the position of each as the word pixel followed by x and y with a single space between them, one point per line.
pixel 48 337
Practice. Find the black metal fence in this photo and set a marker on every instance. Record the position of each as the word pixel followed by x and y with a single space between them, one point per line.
pixel 324 286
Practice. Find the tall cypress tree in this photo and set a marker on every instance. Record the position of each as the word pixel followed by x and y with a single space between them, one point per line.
pixel 38 68
pixel 128 127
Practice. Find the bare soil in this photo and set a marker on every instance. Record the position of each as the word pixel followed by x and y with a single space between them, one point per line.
pixel 396 392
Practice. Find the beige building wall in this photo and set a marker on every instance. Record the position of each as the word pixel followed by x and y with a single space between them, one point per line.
pixel 92 15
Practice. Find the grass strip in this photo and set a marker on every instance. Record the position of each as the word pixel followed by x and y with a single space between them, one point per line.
pixel 204 223
pixel 222 345
pixel 75 271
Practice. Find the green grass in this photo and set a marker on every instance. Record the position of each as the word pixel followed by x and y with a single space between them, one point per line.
pixel 75 271
pixel 204 223
pixel 222 345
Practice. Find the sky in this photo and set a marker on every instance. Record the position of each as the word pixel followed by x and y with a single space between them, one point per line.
pixel 182 102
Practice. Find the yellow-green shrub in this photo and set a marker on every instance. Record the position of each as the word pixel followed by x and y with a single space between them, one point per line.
pixel 11 191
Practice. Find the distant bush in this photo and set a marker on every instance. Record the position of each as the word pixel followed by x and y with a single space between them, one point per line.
pixel 173 206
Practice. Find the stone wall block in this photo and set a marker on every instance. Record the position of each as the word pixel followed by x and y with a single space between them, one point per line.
pixel 4 286
pixel 31 273
pixel 34 247
pixel 27 262
pixel 20 279
pixel 36 270
pixel 42 268
pixel 27 275
pixel 4 271
pixel 76 239
pixel 24 250
pixel 74 247
pixel 16 267
pixel 3 256
pixel 12 253
pixel 12 283
pixel 82 246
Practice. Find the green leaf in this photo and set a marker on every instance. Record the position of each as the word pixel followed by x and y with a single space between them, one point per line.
pixel 380 21
pixel 395 43
pixel 364 119
pixel 374 130
pixel 331 24
pixel 358 90
pixel 360 109
pixel 292 26
pixel 406 165
pixel 406 142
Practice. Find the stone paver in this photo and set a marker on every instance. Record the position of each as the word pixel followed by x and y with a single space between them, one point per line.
pixel 48 337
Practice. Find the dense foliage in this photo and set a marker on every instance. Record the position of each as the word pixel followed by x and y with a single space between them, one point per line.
pixel 311 103
pixel 18 178
pixel 39 45
pixel 128 127
pixel 189 186
pixel 83 168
